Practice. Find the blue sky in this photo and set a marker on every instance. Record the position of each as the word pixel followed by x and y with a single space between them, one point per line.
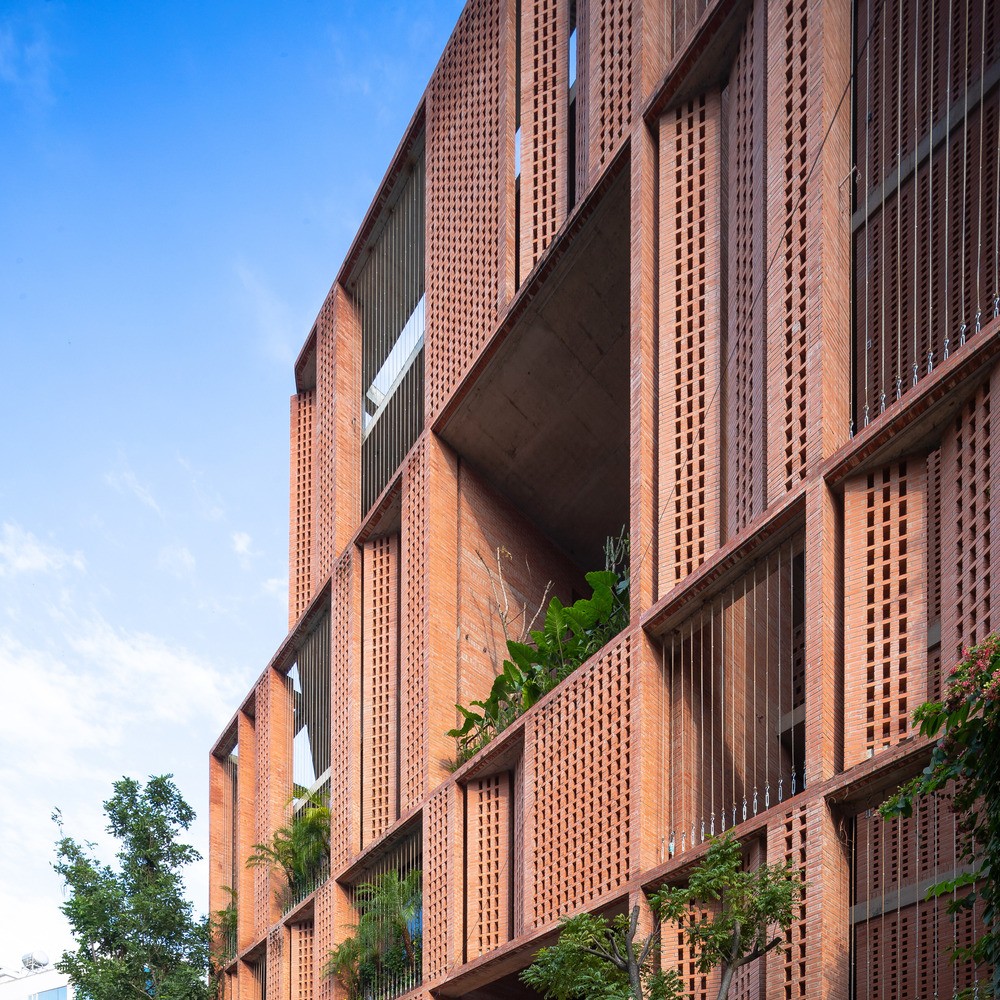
pixel 178 186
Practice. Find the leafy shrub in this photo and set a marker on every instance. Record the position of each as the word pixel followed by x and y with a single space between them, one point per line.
pixel 570 634
pixel 299 851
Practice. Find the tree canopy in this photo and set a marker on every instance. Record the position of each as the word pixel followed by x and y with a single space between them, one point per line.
pixel 136 933
pixel 747 913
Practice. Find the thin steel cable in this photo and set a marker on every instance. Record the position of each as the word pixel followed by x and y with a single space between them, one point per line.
pixel 756 688
pixel 867 182
pixel 898 378
pixel 732 675
pixel 711 681
pixel 916 186
pixel 701 726
pixel 982 123
pixel 882 227
pixel 791 655
pixel 930 194
pixel 767 674
pixel 996 228
pixel 778 636
pixel 965 174
pixel 747 728
pixel 947 186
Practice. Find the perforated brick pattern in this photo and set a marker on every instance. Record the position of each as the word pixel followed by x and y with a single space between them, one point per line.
pixel 886 608
pixel 582 796
pixel 303 415
pixel 609 74
pixel 340 709
pixel 744 394
pixel 934 573
pixel 689 478
pixel 902 940
pixel 325 469
pixel 463 167
pixel 262 824
pixel 543 94
pixel 379 685
pixel 967 542
pixel 437 837
pixel 413 672
pixel 787 840
pixel 324 938
pixel 787 243
pixel 677 954
pixel 275 964
pixel 488 856
pixel 302 971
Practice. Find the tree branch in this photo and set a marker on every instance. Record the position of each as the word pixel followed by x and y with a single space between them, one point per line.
pixel 618 962
pixel 758 952
pixel 648 946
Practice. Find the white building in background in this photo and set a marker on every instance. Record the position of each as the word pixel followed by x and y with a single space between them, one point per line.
pixel 34 978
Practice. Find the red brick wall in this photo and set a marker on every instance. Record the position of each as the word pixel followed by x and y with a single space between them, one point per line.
pixel 463 211
pixel 968 536
pixel 300 582
pixel 379 693
pixel 581 742
pixel 488 522
pixel 544 99
pixel 690 320
pixel 488 860
pixel 885 545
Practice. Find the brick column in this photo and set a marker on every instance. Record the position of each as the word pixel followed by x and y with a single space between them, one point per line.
pixel 643 352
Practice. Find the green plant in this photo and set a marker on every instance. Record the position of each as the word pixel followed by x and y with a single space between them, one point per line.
pixel 597 958
pixel 570 634
pixel 967 753
pixel 749 912
pixel 299 851
pixel 136 934
pixel 224 927
pixel 383 955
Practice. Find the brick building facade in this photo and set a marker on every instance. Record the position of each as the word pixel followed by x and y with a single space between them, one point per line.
pixel 724 272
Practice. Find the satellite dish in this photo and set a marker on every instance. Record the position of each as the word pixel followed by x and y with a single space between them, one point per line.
pixel 34 960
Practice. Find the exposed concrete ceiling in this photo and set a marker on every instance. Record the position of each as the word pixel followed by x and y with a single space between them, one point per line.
pixel 547 421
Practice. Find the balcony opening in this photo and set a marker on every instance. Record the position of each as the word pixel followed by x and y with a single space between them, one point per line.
pixel 383 958
pixel 388 289
pixel 734 703
pixel 926 186
pixel 546 420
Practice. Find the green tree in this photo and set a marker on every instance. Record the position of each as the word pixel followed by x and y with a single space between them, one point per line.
pixel 136 933
pixel 966 726
pixel 749 913
pixel 597 958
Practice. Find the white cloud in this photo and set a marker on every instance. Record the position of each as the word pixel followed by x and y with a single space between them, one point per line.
pixel 177 560
pixel 26 61
pixel 241 543
pixel 22 552
pixel 125 481
pixel 87 701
